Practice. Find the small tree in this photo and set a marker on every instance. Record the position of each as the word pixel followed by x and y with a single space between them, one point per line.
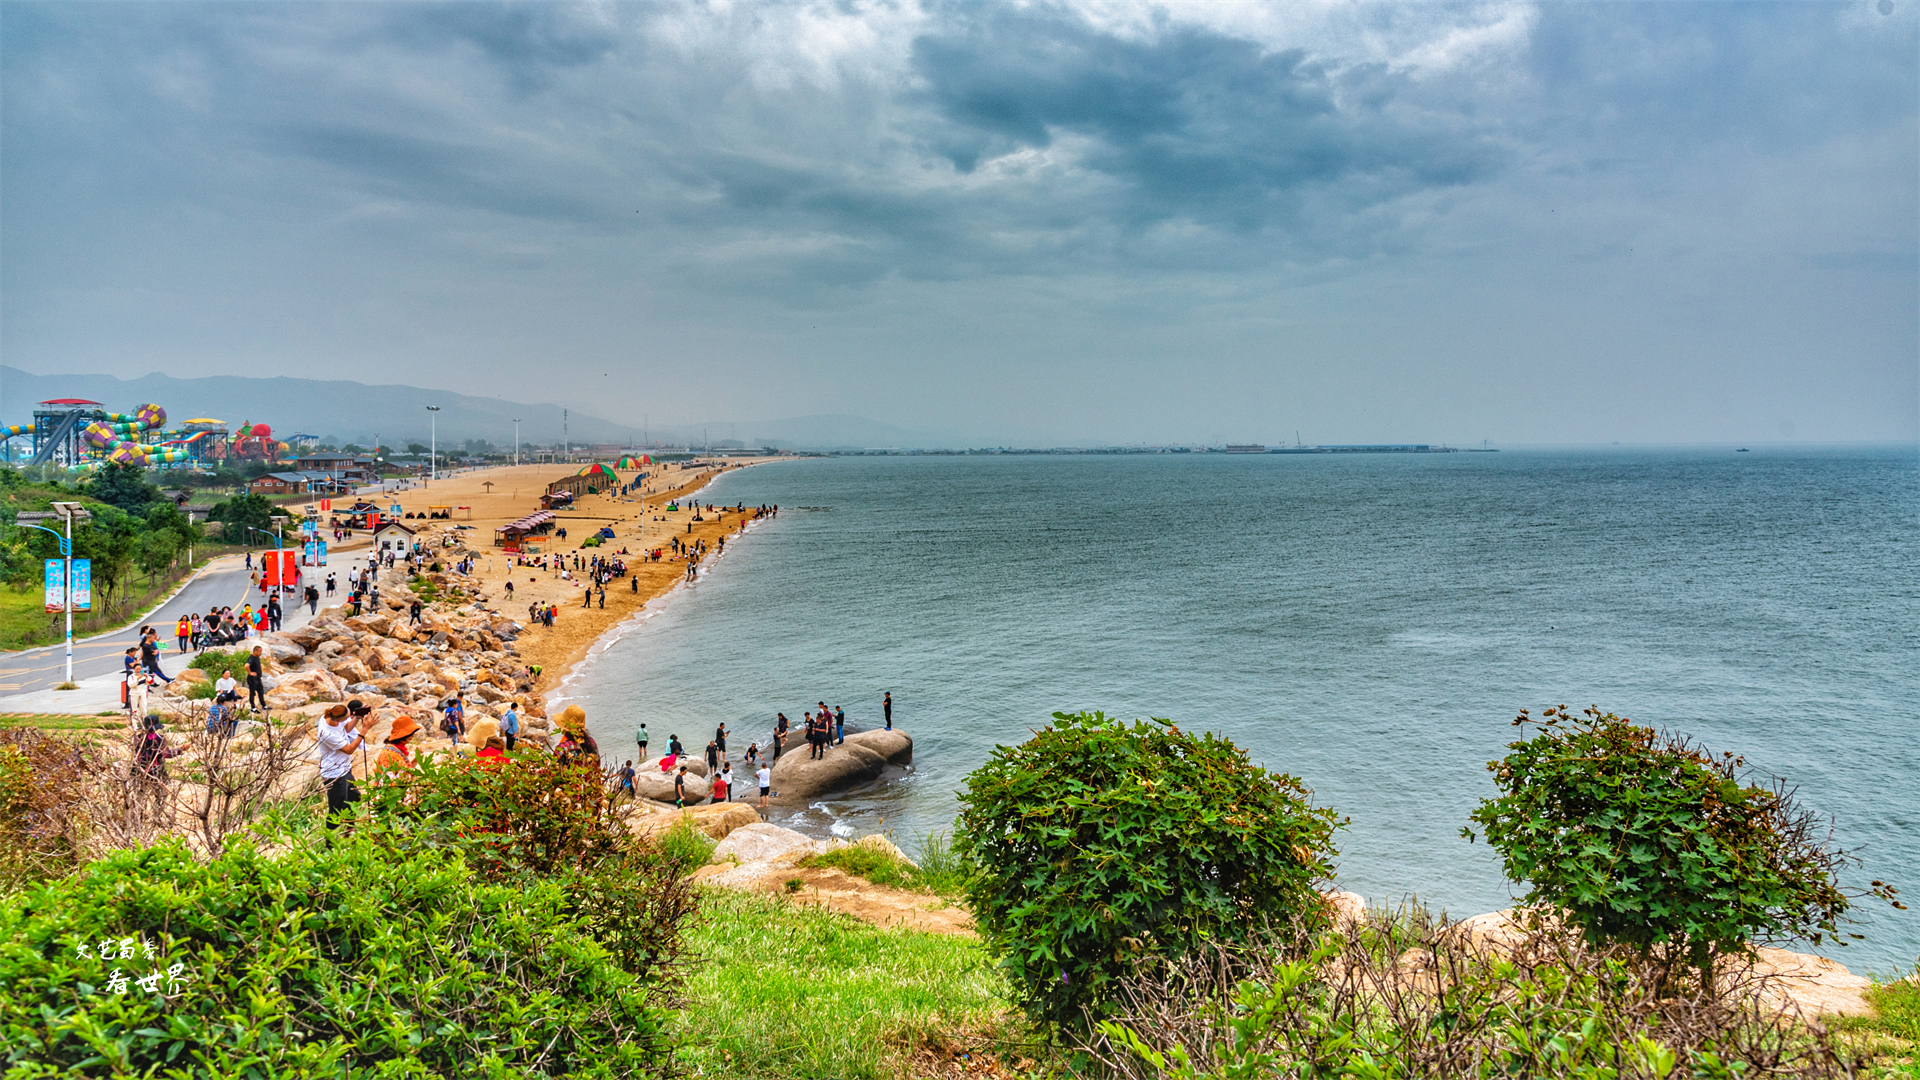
pixel 243 512
pixel 1650 840
pixel 1098 845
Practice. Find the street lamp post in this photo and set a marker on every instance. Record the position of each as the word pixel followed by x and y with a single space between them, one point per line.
pixel 516 440
pixel 433 441
pixel 68 511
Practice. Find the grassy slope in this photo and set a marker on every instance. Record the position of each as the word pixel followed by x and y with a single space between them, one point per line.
pixel 1893 1033
pixel 789 991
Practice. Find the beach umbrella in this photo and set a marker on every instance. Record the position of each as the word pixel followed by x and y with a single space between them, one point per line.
pixel 597 469
pixel 631 462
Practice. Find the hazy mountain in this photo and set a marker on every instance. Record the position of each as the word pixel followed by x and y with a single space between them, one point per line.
pixel 339 411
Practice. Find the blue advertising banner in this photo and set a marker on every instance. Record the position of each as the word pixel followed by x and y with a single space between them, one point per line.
pixel 81 587
pixel 56 585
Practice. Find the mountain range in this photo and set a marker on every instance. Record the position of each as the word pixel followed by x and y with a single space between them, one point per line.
pixel 337 411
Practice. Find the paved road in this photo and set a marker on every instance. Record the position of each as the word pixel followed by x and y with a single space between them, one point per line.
pixel 226 581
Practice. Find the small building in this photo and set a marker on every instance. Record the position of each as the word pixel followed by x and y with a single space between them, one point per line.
pixel 344 467
pixel 287 483
pixel 392 534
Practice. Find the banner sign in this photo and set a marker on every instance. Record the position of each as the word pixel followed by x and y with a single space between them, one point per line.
pixel 56 585
pixel 316 553
pixel 81 587
pixel 326 506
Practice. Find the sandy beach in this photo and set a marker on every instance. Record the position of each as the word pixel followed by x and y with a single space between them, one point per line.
pixel 641 521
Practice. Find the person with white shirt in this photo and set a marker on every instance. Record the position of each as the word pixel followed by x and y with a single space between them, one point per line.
pixel 765 776
pixel 225 688
pixel 338 740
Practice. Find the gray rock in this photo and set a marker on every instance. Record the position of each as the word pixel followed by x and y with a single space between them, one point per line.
pixel 754 843
pixel 896 746
pixel 851 765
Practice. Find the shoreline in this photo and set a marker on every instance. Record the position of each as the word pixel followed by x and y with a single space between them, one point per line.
pixel 557 695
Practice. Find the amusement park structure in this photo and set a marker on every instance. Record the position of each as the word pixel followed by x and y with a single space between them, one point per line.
pixel 82 434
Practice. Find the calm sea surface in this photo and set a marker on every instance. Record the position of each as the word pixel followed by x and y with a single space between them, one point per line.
pixel 1368 623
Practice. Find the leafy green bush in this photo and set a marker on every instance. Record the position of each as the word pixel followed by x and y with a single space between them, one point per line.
pixel 216 661
pixel 1650 840
pixel 1098 844
pixel 348 958
pixel 688 844
pixel 534 820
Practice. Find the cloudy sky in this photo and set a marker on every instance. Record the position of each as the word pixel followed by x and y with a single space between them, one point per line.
pixel 993 222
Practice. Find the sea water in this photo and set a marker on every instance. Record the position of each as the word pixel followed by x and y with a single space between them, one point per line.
pixel 1369 623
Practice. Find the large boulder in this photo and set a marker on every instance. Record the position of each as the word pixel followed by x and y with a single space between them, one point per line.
pixel 650 783
pixel 845 767
pixel 896 745
pixel 718 820
pixel 760 841
pixel 282 648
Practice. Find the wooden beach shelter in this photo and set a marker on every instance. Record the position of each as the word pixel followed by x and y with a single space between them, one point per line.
pixel 591 479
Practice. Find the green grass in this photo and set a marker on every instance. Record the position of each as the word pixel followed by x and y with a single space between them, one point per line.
pixel 790 991
pixel 112 721
pixel 1892 1034
pixel 939 872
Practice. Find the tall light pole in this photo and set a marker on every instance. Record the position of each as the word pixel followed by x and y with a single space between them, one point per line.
pixel 69 511
pixel 516 440
pixel 433 442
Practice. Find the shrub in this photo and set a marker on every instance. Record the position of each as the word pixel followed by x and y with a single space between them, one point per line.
pixel 216 661
pixel 533 820
pixel 1098 845
pixel 1404 995
pixel 41 780
pixel 687 843
pixel 1650 840
pixel 326 960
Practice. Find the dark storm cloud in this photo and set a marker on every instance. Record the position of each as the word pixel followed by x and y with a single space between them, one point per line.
pixel 1195 122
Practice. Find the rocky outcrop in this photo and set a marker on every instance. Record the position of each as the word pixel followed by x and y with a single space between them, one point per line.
pixel 759 842
pixel 895 746
pixel 717 820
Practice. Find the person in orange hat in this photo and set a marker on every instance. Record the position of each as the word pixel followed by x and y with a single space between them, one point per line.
pixel 398 753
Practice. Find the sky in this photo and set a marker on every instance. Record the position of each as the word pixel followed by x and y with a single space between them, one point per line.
pixel 992 223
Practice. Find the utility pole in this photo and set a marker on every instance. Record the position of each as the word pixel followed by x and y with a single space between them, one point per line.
pixel 516 440
pixel 566 437
pixel 433 441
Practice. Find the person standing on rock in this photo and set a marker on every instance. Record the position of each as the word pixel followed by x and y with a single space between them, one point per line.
pixel 765 776
pixel 839 725
pixel 337 741
pixel 413 610
pixel 510 726
pixel 886 706
pixel 780 727
pixel 256 680
pixel 723 785
pixel 680 787
pixel 720 740
pixel 713 758
pixel 626 782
